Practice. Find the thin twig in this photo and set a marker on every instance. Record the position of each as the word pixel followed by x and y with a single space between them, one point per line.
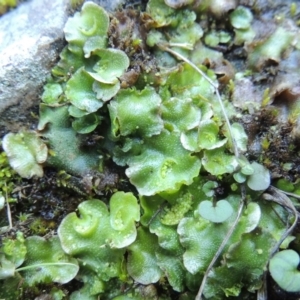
pixel 161 207
pixel 280 198
pixel 186 46
pixel 291 194
pixel 8 209
pixel 262 292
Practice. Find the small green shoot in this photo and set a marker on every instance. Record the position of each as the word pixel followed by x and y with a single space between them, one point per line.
pixel 26 153
pixel 260 179
pixel 215 212
pixel 284 270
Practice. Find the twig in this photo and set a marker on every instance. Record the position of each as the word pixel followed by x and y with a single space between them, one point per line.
pixel 280 198
pixel 8 209
pixel 290 194
pixel 262 292
pixel 161 207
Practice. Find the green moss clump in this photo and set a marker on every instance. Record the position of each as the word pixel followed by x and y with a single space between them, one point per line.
pixel 8 178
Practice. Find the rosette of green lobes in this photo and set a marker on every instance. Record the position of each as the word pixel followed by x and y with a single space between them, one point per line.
pixel 163 165
pixel 201 238
pixel 66 149
pixel 142 262
pixel 134 112
pixel 79 92
pixel 39 261
pixel 209 135
pixel 180 114
pixel 244 257
pixel 185 35
pixel 87 29
pixel 46 261
pixel 186 82
pixel 26 153
pixel 89 90
pixel 13 252
pixel 112 64
pixel 98 238
pixel 164 259
pixel 169 253
pixel 245 265
pixel 218 161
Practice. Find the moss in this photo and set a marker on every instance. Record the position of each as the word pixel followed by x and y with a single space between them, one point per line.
pixel 9 179
pixel 39 227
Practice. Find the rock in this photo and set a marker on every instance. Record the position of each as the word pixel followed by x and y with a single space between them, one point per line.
pixel 31 38
pixel 112 5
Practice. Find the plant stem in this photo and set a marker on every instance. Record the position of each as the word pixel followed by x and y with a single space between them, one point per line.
pixel 280 198
pixel 8 209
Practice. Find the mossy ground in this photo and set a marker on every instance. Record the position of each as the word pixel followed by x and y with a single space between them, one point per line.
pixel 39 205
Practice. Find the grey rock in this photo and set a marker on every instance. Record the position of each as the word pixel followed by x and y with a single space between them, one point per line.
pixel 31 38
pixel 110 5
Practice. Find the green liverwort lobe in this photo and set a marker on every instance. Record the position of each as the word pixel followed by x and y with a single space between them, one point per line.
pixel 26 153
pixel 284 270
pixel 91 23
pixel 217 213
pixel 136 112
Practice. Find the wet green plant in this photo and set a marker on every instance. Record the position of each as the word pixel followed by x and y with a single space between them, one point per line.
pixel 26 153
pixel 241 19
pixel 7 175
pixel 37 259
pixel 113 231
pixel 9 179
pixel 203 220
pixel 284 270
